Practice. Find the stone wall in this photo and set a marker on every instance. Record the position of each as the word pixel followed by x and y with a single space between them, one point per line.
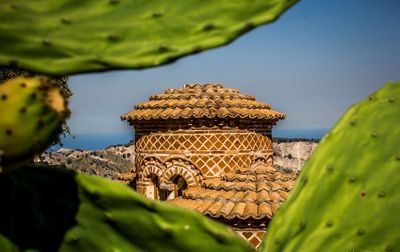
pixel 290 155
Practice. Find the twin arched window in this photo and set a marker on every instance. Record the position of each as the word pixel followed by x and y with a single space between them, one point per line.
pixel 179 182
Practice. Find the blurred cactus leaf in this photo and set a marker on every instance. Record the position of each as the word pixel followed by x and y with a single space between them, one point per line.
pixel 71 36
pixel 348 196
pixel 47 208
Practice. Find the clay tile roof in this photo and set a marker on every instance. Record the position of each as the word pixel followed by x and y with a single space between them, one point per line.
pixel 255 194
pixel 202 101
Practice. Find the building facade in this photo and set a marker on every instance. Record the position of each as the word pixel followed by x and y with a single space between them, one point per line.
pixel 209 148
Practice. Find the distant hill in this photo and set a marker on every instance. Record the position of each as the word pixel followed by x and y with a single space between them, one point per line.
pixel 108 163
pixel 115 160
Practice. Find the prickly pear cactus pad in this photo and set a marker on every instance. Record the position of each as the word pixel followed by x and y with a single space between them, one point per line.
pixel 348 195
pixel 70 36
pixel 6 245
pixel 32 111
pixel 70 212
pixel 38 205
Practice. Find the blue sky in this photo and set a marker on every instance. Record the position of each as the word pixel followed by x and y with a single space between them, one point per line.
pixel 315 61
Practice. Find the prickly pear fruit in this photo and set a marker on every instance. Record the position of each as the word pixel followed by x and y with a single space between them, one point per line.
pixel 32 111
pixel 348 196
pixel 49 209
pixel 92 35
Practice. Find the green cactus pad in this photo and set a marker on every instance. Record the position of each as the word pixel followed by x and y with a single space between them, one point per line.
pixel 348 196
pixel 64 37
pixel 50 209
pixel 32 111
pixel 6 245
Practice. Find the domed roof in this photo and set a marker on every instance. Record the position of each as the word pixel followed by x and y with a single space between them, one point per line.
pixel 202 101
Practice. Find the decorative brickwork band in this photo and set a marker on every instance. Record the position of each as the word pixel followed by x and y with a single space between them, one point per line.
pixel 152 167
pixel 214 151
pixel 255 237
pixel 179 166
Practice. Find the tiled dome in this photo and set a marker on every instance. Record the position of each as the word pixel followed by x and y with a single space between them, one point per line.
pixel 202 101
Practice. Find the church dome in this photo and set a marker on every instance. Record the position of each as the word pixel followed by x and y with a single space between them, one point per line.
pixel 202 101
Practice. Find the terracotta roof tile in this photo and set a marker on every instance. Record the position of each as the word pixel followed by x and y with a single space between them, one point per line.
pixel 215 194
pixel 250 195
pixel 203 206
pixel 275 207
pixel 238 210
pixel 214 208
pixel 278 186
pixel 238 196
pixel 283 194
pixel 274 196
pixel 227 208
pixel 239 177
pixel 199 101
pixel 251 210
pixel 196 204
pixel 265 209
pixel 183 202
pixel 193 189
pixel 263 196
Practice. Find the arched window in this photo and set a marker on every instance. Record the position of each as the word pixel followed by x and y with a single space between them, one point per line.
pixel 156 185
pixel 158 193
pixel 180 185
pixel 132 184
pixel 154 179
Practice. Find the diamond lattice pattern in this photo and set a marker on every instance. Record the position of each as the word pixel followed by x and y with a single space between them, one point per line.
pixel 213 153
pixel 222 141
pixel 255 237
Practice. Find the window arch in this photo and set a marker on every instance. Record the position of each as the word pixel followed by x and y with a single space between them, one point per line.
pixel 180 185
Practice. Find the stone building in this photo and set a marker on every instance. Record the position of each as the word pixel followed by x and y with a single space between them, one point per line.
pixel 209 148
